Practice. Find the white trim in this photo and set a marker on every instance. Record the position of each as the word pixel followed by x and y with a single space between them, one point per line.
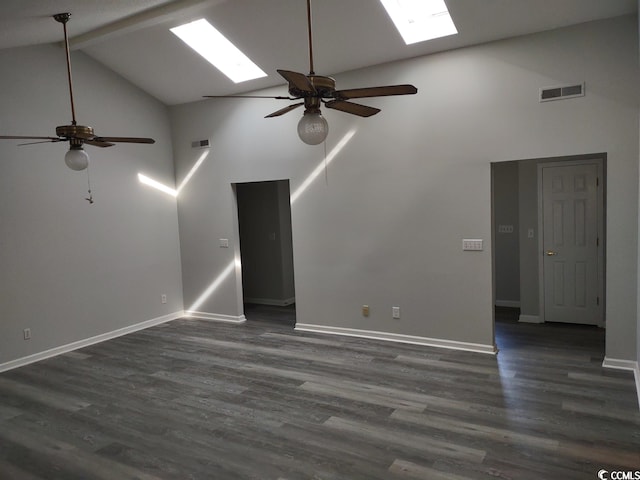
pixel 36 357
pixel 619 364
pixel 397 337
pixel 530 319
pixel 271 301
pixel 507 303
pixel 625 365
pixel 216 317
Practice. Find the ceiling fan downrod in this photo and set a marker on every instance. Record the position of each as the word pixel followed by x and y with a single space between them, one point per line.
pixel 311 72
pixel 63 18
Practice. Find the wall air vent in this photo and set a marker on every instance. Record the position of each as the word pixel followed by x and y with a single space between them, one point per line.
pixel 200 144
pixel 561 92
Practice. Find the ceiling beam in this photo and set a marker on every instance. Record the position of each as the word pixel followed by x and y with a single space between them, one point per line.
pixel 148 18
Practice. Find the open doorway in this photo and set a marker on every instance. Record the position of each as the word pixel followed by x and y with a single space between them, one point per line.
pixel 266 251
pixel 549 241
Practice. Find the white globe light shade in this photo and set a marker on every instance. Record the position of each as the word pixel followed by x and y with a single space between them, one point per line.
pixel 313 128
pixel 76 159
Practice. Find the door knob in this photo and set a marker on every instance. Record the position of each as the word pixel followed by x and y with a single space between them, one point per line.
pixel 550 253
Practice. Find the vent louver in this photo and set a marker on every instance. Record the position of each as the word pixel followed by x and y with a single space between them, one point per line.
pixel 561 92
pixel 200 144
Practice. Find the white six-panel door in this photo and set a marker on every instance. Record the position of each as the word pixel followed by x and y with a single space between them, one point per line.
pixel 571 223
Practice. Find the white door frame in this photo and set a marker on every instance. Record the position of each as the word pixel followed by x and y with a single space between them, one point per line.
pixel 587 160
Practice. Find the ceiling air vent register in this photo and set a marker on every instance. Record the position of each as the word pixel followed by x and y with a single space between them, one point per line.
pixel 561 92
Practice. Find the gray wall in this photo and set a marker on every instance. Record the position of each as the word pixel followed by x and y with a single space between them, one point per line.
pixel 384 227
pixel 506 241
pixel 70 270
pixel 264 219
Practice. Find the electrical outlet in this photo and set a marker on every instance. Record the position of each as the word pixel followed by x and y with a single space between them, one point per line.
pixel 395 312
pixel 163 297
pixel 365 310
pixel 27 333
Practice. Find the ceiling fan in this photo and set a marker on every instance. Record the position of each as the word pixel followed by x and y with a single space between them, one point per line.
pixel 315 90
pixel 77 135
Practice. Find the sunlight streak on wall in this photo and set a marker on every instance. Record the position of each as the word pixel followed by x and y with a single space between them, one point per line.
pixel 157 185
pixel 330 156
pixel 174 192
pixel 193 170
pixel 210 290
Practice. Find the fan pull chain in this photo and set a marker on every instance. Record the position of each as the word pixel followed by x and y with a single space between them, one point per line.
pixel 90 197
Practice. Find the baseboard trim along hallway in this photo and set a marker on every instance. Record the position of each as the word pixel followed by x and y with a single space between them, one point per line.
pixel 216 317
pixel 625 365
pixel 36 357
pixel 397 337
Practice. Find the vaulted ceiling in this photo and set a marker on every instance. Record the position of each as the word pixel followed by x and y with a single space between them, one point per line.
pixel 132 37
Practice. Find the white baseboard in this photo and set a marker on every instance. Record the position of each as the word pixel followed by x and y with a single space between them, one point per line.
pixel 271 301
pixel 397 337
pixel 625 365
pixel 216 317
pixel 36 357
pixel 507 303
pixel 529 319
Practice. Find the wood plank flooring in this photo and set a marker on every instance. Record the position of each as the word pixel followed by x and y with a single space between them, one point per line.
pixel 193 399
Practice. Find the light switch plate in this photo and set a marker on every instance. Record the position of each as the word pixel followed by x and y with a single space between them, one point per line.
pixel 472 244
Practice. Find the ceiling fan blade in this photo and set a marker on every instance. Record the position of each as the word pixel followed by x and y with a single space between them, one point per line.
pixel 298 80
pixel 98 143
pixel 41 141
pixel 249 96
pixel 122 140
pixel 284 110
pixel 353 108
pixel 375 92
pixel 26 137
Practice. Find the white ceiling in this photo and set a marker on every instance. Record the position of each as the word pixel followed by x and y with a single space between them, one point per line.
pixel 132 37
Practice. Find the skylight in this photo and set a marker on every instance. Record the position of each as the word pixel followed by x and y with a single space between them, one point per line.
pixel 420 20
pixel 220 52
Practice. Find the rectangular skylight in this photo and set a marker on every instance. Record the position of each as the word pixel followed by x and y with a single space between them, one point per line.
pixel 220 52
pixel 420 20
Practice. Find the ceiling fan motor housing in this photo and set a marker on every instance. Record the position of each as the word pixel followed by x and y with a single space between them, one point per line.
pixel 75 131
pixel 324 86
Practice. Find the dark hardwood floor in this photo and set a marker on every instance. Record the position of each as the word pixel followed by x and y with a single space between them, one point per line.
pixel 267 313
pixel 193 399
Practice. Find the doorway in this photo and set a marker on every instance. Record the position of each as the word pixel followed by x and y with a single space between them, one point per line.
pixel 549 239
pixel 266 251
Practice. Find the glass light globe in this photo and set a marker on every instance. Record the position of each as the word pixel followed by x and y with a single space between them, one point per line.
pixel 313 128
pixel 76 159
